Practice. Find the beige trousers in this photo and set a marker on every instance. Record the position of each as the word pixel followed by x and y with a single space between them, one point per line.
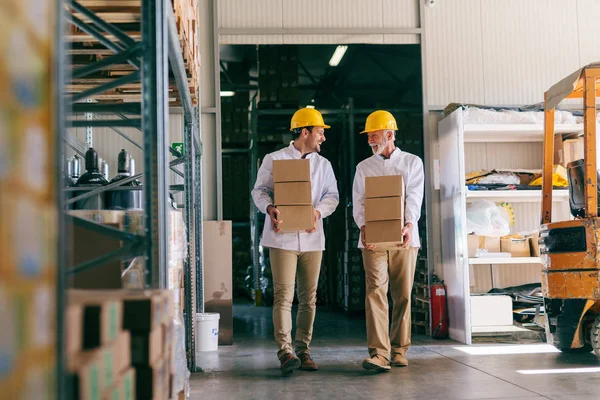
pixel 288 267
pixel 396 268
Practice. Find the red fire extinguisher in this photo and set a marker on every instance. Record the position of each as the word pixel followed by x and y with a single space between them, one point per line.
pixel 439 309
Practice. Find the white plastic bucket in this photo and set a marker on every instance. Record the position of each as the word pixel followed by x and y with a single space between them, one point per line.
pixel 207 331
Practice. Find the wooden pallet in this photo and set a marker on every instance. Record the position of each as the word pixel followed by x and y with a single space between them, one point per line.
pixel 126 15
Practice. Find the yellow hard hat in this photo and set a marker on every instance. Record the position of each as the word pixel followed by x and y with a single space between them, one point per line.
pixel 379 120
pixel 307 117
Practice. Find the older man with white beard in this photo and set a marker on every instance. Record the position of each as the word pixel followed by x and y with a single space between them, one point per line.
pixel 382 266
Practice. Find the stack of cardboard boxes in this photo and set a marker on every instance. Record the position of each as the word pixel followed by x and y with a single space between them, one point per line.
pixel 235 119
pixel 517 246
pixel 119 344
pixel 384 210
pixel 278 74
pixel 293 195
pixel 28 209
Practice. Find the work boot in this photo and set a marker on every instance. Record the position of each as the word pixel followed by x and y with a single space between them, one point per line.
pixel 377 363
pixel 308 363
pixel 398 360
pixel 289 363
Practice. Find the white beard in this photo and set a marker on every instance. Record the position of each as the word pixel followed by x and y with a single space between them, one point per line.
pixel 380 147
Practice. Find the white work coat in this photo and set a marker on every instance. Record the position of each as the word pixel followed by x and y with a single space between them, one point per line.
pixel 399 163
pixel 325 199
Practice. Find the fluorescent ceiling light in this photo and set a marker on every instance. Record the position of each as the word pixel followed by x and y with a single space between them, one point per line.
pixel 559 371
pixel 499 350
pixel 310 106
pixel 227 93
pixel 337 55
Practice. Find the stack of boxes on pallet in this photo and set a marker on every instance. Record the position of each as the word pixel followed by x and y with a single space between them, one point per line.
pixel 278 75
pixel 119 344
pixel 384 210
pixel 293 195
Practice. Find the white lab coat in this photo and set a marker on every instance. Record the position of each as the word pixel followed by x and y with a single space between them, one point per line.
pixel 325 199
pixel 399 163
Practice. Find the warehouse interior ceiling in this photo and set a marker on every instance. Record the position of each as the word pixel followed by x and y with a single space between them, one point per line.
pixel 373 75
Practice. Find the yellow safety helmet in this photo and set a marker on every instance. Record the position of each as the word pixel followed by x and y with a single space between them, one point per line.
pixel 379 120
pixel 307 117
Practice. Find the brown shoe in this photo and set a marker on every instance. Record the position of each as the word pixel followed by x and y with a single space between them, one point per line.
pixel 289 363
pixel 308 363
pixel 399 360
pixel 376 363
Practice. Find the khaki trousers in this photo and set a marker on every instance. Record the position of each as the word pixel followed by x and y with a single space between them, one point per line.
pixel 288 267
pixel 396 268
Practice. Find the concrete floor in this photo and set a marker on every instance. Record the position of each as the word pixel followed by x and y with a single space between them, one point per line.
pixel 438 369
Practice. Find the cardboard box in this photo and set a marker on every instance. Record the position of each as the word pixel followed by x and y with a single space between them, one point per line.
pixel 558 150
pixel 516 247
pixel 384 208
pixel 147 347
pixel 84 375
pixel 123 348
pixel 218 276
pixel 152 383
pixel 384 234
pixel 168 331
pixel 573 150
pixel 561 154
pixel 292 194
pixel 475 242
pixel 102 318
pixel 384 186
pixel 144 311
pixel 296 218
pixel 534 245
pixel 73 329
pixel 123 389
pixel 88 245
pixel 291 170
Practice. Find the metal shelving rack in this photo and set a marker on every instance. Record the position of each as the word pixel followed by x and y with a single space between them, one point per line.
pixel 149 56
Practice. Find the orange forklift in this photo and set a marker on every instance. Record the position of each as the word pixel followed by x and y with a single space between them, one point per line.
pixel 571 249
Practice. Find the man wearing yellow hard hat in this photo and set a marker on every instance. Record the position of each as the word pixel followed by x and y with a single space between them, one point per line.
pixel 297 256
pixel 388 347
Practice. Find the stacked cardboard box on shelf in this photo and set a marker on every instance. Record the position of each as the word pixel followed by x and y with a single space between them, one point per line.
pixel 235 120
pixel 120 344
pixel 28 210
pixel 384 210
pixel 98 349
pixel 278 74
pixel 292 194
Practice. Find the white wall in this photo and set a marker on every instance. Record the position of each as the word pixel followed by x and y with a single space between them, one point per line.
pixel 317 21
pixel 506 52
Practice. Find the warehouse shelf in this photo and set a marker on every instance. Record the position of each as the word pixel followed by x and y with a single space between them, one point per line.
pixel 524 196
pixel 108 53
pixel 503 133
pixel 504 260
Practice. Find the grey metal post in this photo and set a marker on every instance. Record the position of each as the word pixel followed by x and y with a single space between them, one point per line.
pixel 190 265
pixel 154 128
pixel 89 131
